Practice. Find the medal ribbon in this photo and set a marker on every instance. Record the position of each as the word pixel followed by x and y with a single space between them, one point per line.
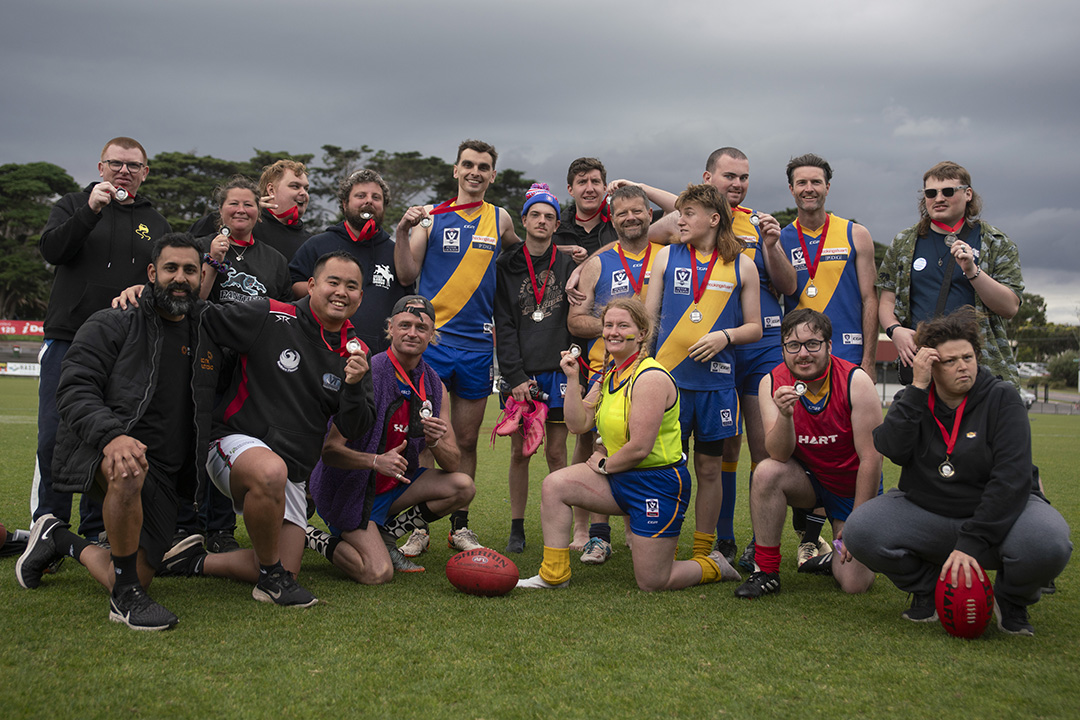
pixel 812 267
pixel 603 211
pixel 949 438
pixel 945 229
pixel 699 288
pixel 449 206
pixel 538 293
pixel 616 370
pixel 366 233
pixel 420 392
pixel 243 243
pixel 289 217
pixel 638 282
pixel 342 350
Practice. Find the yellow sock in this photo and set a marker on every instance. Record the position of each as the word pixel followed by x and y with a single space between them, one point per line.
pixel 729 466
pixel 710 571
pixel 703 543
pixel 555 568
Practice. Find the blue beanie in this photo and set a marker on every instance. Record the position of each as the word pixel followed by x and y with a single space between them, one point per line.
pixel 540 192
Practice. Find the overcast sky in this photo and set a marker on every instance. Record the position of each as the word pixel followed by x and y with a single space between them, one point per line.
pixel 881 90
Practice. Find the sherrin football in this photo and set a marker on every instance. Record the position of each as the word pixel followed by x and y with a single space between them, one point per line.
pixel 965 612
pixel 482 572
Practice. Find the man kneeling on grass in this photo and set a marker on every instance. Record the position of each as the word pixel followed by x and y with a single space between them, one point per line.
pixel 372 490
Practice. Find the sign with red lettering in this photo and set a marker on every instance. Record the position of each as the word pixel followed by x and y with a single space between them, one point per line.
pixel 22 327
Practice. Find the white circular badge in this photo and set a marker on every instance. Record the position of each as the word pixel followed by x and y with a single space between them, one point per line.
pixel 919 264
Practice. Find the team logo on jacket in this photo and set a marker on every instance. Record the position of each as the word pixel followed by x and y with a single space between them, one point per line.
pixel 143 232
pixel 682 281
pixel 207 363
pixel 382 277
pixel 289 360
pixel 451 240
pixel 330 381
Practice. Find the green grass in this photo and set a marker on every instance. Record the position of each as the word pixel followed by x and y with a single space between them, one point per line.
pixel 418 648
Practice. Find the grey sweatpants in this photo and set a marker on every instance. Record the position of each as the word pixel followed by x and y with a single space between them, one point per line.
pixel 894 536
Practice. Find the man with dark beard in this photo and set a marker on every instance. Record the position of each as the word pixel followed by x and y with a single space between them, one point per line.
pixel 128 433
pixel 364 196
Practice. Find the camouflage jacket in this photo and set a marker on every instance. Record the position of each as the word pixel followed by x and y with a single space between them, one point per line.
pixel 998 258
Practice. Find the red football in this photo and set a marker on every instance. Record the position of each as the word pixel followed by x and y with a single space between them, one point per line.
pixel 965 612
pixel 482 572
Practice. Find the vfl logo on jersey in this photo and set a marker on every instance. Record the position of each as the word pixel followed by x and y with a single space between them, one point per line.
pixel 329 381
pixel 720 367
pixel 562 390
pixel 620 283
pixel 451 240
pixel 247 284
pixel 382 277
pixel 725 418
pixel 652 507
pixel 771 321
pixel 817 439
pixel 798 261
pixel 483 242
pixel 682 281
pixel 144 232
pixel 853 338
pixel 289 360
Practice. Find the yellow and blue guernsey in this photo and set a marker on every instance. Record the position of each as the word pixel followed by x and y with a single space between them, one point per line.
pixel 835 280
pixel 614 282
pixel 719 308
pixel 771 312
pixel 613 419
pixel 458 275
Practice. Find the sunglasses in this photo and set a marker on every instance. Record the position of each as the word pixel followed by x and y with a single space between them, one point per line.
pixel 931 193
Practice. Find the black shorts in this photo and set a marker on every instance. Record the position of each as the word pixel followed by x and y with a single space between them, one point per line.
pixel 160 503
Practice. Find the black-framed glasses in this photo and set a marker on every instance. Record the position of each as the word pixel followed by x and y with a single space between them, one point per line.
pixel 118 165
pixel 794 346
pixel 931 193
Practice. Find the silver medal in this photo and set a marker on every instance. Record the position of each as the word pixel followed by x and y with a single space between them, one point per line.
pixel 575 351
pixel 366 216
pixel 425 221
pixel 949 240
pixel 354 346
pixel 811 290
pixel 755 220
pixel 225 232
pixel 537 315
pixel 121 194
pixel 695 316
pixel 946 469
pixel 425 409
pixel 800 387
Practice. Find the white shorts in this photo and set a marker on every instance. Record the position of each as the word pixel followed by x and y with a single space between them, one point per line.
pixel 219 462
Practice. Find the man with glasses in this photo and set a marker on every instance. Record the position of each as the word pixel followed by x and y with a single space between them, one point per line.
pixel 100 241
pixel 947 260
pixel 819 412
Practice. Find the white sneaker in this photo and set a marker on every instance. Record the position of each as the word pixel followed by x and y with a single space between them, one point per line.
pixel 596 551
pixel 417 544
pixel 806 551
pixel 463 540
pixel 538 583
pixel 727 570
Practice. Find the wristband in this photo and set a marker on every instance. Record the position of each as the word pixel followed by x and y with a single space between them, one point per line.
pixel 729 342
pixel 889 330
pixel 978 272
pixel 220 266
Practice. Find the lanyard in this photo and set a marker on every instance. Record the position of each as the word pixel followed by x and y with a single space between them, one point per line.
pixel 812 267
pixel 538 293
pixel 948 437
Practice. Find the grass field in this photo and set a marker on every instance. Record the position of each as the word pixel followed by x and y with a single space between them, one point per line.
pixel 418 648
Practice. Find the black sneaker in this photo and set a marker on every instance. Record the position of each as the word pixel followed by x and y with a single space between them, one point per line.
pixel 516 544
pixel 397 558
pixel 818 565
pixel 280 587
pixel 183 559
pixel 221 541
pixel 134 608
pixel 746 560
pixel 922 608
pixel 758 584
pixel 1012 619
pixel 41 551
pixel 727 548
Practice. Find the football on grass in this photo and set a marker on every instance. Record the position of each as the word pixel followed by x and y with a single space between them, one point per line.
pixel 482 572
pixel 965 612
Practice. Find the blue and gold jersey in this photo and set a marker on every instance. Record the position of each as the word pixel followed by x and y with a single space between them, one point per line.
pixel 613 282
pixel 836 281
pixel 458 275
pixel 771 312
pixel 719 308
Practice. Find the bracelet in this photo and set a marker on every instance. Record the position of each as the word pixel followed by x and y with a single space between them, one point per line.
pixel 889 330
pixel 220 266
pixel 374 462
pixel 978 272
pixel 729 342
pixel 435 444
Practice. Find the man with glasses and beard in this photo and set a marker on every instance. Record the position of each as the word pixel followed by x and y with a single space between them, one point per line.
pixel 364 196
pixel 128 433
pixel 950 259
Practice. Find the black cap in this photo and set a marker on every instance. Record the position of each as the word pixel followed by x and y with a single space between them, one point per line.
pixel 403 305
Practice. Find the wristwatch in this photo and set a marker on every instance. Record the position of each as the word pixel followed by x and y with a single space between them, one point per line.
pixel 889 330
pixel 602 466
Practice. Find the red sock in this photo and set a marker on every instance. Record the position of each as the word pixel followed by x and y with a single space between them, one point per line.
pixel 767 557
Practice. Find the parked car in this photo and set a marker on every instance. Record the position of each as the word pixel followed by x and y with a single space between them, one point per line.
pixel 1028 397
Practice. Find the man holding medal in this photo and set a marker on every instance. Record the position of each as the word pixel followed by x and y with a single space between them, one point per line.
pixel 948 260
pixel 968 499
pixel 704 294
pixel 100 240
pixel 451 248
pixel 372 490
pixel 819 412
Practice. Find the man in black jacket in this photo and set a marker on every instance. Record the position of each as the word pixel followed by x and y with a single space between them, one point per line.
pixel 99 240
pixel 130 433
